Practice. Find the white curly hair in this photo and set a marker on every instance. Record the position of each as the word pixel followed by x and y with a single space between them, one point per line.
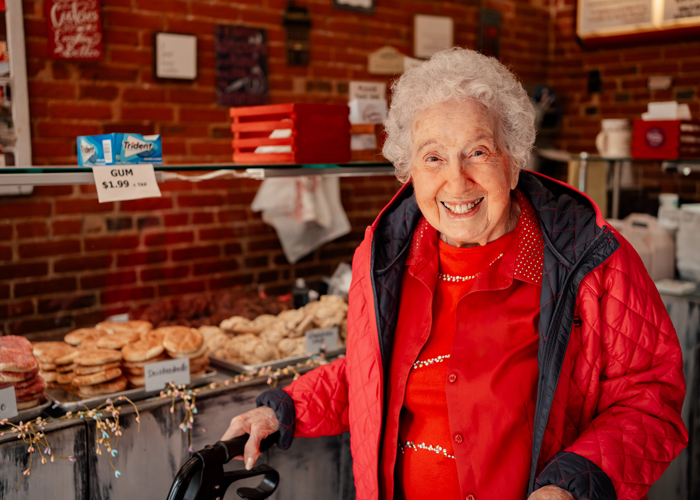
pixel 458 73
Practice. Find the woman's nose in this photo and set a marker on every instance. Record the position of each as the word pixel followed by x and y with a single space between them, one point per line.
pixel 458 178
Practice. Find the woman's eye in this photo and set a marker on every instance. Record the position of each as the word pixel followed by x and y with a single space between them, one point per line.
pixel 478 153
pixel 432 159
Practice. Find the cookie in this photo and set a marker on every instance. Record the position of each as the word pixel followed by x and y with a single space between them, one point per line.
pixel 142 350
pixel 57 353
pixel 49 376
pixel 79 336
pixel 141 364
pixel 195 354
pixel 136 380
pixel 134 371
pixel 90 391
pixel 47 366
pixel 16 355
pixel 17 376
pixel 113 327
pixel 118 340
pixel 97 378
pixel 182 340
pixel 94 357
pixel 66 368
pixel 200 363
pixel 65 378
pixel 86 370
pixel 25 405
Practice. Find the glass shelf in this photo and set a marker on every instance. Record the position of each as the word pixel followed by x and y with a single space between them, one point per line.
pixel 66 174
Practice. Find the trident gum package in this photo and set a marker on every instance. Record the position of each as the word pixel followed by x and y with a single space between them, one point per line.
pixel 119 149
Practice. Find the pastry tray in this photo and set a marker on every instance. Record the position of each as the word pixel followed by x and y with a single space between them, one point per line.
pixel 32 413
pixel 69 401
pixel 277 363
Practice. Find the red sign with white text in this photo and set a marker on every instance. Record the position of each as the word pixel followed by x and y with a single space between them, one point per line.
pixel 75 29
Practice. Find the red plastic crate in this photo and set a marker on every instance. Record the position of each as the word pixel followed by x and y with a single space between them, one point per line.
pixel 320 133
pixel 666 139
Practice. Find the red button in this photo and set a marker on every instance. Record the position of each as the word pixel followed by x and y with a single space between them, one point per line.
pixel 471 497
pixel 452 378
pixel 458 438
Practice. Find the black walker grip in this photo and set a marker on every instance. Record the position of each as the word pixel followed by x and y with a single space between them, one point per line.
pixel 236 446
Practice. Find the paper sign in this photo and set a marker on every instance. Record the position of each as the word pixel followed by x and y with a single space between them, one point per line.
pixel 125 182
pixel 158 375
pixel 431 34
pixel 367 90
pixel 8 403
pixel 385 61
pixel 176 56
pixel 316 339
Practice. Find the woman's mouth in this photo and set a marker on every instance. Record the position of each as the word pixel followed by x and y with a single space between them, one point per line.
pixel 463 208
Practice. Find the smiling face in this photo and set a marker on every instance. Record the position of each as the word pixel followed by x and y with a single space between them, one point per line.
pixel 461 178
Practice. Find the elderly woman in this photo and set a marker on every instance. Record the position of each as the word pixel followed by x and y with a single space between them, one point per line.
pixel 504 342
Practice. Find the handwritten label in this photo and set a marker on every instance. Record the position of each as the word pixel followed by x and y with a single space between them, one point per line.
pixel 8 403
pixel 74 29
pixel 158 375
pixel 125 182
pixel 316 339
pixel 367 90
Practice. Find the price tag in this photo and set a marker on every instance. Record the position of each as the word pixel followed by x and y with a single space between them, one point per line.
pixel 8 403
pixel 125 182
pixel 316 339
pixel 158 375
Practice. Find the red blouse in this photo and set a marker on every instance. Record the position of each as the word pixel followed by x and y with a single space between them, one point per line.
pixel 487 378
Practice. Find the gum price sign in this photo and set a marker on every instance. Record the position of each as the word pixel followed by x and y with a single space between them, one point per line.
pixel 8 403
pixel 125 182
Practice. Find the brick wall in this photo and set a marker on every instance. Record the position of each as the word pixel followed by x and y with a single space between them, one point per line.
pixel 624 70
pixel 67 260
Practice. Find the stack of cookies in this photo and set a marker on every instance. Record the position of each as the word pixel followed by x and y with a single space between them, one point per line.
pixel 97 372
pixel 113 327
pixel 19 369
pixel 183 342
pixel 148 349
pixel 56 362
pixel 85 338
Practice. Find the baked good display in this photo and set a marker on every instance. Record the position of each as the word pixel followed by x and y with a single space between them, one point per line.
pixel 19 368
pixel 114 327
pixel 100 363
pixel 267 337
pixel 55 361
pixel 82 335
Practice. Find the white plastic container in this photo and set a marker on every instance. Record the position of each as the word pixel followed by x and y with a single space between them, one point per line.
pixel 688 243
pixel 653 243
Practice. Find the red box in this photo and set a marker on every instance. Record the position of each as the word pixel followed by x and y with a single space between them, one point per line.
pixel 666 139
pixel 320 133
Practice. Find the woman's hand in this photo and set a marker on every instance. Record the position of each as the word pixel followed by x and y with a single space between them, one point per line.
pixel 551 492
pixel 259 423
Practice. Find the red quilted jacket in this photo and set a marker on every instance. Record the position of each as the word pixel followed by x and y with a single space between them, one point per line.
pixel 611 384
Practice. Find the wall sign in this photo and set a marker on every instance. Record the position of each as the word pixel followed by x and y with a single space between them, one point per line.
pixel 601 21
pixel 241 66
pixel 357 5
pixel 74 29
pixel 385 61
pixel 175 56
pixel 431 34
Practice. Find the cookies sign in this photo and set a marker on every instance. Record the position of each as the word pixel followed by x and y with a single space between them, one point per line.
pixel 326 338
pixel 74 29
pixel 158 375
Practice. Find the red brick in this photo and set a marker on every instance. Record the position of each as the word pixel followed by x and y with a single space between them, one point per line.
pixel 11 271
pixel 82 263
pixel 107 280
pixel 160 239
pixel 232 215
pixel 111 243
pixel 67 226
pixel 230 281
pixel 218 233
pixel 260 261
pixel 50 90
pixel 191 27
pixel 169 7
pixel 99 92
pixel 82 206
pixel 45 287
pixel 216 11
pixel 191 96
pixel 172 220
pixel 204 115
pixel 15 209
pixel 131 57
pixel 5 252
pixel 202 218
pixel 89 319
pixel 32 229
pixel 196 252
pixel 146 205
pixel 53 190
pixel 4 292
pixel 22 308
pixel 48 248
pixel 66 304
pixel 136 128
pixel 181 288
pixel 146 113
pixel 80 111
pixel 5 232
pixel 211 148
pixel 254 246
pixel 172 186
pixel 165 273
pixel 68 130
pixel 25 326
pixel 132 19
pixel 141 258
pixel 144 95
pixel 233 249
pixel 108 73
pixel 185 130
pixel 200 201
pixel 38 109
pixel 127 294
pixel 217 266
pixel 120 37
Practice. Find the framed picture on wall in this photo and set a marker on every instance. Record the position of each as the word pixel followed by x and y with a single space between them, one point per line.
pixel 366 6
pixel 175 56
pixel 602 22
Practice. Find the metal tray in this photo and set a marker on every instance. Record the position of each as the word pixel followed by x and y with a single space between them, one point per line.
pixel 72 402
pixel 277 363
pixel 32 413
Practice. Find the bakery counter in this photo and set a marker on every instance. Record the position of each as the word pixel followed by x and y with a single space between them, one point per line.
pixel 148 459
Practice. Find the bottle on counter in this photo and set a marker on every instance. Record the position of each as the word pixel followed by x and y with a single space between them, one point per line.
pixel 300 293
